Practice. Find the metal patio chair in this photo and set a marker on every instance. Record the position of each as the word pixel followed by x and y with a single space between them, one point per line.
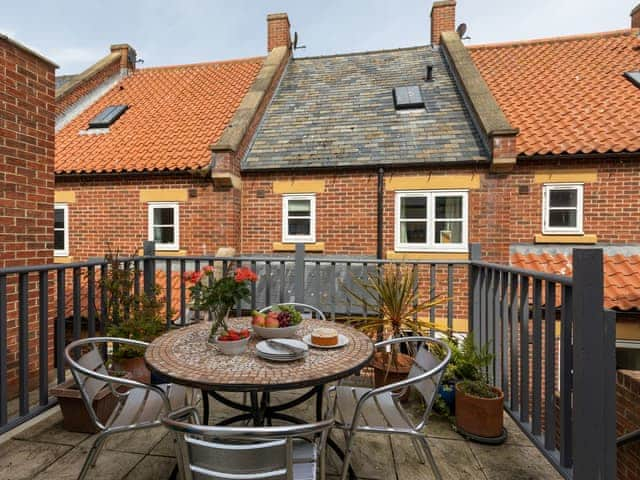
pixel 303 308
pixel 291 452
pixel 379 410
pixel 138 405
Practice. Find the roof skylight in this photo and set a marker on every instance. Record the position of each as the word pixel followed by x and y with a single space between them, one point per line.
pixel 407 97
pixel 633 77
pixel 107 116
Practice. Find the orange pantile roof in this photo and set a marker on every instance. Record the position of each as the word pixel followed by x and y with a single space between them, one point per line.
pixel 567 94
pixel 174 114
pixel 621 275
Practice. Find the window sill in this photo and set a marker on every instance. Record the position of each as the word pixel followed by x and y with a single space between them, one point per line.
pixel 62 259
pixel 291 247
pixel 394 255
pixel 166 253
pixel 570 239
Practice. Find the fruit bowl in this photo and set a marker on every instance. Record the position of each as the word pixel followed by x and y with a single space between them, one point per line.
pixel 281 332
pixel 235 344
pixel 281 321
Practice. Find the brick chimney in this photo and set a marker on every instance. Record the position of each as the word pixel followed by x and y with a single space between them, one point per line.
pixel 635 17
pixel 127 57
pixel 278 34
pixel 443 19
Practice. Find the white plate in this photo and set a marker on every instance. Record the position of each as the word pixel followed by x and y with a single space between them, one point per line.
pixel 342 341
pixel 263 347
pixel 282 359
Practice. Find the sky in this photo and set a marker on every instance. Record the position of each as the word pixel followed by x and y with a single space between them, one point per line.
pixel 75 34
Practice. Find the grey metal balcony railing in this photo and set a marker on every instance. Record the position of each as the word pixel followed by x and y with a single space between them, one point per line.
pixel 520 314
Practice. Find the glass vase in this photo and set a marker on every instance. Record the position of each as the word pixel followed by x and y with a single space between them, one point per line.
pixel 218 315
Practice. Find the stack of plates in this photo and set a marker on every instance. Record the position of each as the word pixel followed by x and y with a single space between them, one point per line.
pixel 282 349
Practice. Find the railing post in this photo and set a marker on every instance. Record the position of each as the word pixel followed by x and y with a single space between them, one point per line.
pixel 475 254
pixel 299 273
pixel 149 274
pixel 593 371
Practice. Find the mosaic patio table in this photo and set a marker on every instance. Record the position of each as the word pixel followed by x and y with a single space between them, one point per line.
pixel 185 357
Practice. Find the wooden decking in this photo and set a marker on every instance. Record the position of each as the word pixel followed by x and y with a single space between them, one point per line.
pixel 46 451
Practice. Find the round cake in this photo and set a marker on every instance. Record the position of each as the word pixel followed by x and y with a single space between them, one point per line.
pixel 324 337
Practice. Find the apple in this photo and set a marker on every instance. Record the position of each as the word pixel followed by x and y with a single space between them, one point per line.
pixel 272 322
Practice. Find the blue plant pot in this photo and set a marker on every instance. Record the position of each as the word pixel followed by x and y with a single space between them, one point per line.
pixel 448 393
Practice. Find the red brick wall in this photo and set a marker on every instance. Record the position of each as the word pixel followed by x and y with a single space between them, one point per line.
pixel 278 34
pixel 443 19
pixel 108 212
pixel 628 420
pixel 71 97
pixel 27 117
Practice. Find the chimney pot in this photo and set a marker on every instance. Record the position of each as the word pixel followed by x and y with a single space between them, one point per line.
pixel 278 31
pixel 635 17
pixel 443 19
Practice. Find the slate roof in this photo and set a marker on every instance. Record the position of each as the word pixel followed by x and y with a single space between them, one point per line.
pixel 567 94
pixel 338 111
pixel 175 113
pixel 63 79
pixel 621 278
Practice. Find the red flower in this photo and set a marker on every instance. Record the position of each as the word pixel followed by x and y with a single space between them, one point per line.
pixel 208 269
pixel 244 274
pixel 195 277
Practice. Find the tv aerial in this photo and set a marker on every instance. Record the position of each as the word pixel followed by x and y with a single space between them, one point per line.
pixel 461 31
pixel 295 42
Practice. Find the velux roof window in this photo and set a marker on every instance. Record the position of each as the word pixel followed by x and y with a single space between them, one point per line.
pixel 633 77
pixel 405 98
pixel 107 116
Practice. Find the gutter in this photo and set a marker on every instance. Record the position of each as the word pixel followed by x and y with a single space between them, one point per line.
pixel 380 213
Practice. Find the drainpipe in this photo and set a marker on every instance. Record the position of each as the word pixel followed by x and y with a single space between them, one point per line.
pixel 380 210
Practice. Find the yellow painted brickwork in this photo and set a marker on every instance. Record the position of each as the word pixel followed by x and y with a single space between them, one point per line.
pixel 298 186
pixel 433 182
pixel 164 195
pixel 64 197
pixel 566 176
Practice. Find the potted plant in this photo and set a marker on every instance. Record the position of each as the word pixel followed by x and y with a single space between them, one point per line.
pixel 217 296
pixel 391 294
pixel 479 413
pixel 467 394
pixel 130 315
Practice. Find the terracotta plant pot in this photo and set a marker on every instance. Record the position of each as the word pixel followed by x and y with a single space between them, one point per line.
pixel 387 371
pixel 481 417
pixel 135 367
pixel 75 417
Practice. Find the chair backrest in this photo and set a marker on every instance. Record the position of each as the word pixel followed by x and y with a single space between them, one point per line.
pixel 209 452
pixel 88 368
pixel 425 361
pixel 303 308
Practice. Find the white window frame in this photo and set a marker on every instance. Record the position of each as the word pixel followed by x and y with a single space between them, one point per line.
pixel 431 245
pixel 286 238
pixel 546 191
pixel 176 225
pixel 65 251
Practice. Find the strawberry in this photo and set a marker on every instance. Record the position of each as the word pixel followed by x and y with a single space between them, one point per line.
pixel 244 333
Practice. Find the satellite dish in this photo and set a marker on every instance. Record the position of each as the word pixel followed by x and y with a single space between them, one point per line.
pixel 295 42
pixel 461 31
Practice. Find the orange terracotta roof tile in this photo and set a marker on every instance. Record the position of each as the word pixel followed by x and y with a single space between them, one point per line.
pixel 621 275
pixel 567 94
pixel 174 114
